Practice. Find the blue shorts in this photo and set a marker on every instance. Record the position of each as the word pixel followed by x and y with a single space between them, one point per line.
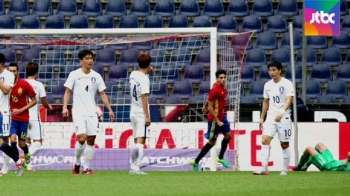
pixel 20 129
pixel 1 129
pixel 214 129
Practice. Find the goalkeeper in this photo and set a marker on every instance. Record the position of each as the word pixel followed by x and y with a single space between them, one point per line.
pixel 322 158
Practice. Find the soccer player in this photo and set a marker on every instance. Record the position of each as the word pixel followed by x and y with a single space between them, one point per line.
pixel 322 158
pixel 139 111
pixel 84 83
pixel 35 130
pixel 217 122
pixel 278 96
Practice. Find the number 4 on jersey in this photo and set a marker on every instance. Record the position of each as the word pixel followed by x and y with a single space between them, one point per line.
pixel 87 88
pixel 134 94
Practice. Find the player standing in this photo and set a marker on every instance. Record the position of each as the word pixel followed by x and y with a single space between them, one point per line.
pixel 139 111
pixel 278 96
pixel 35 131
pixel 84 83
pixel 217 122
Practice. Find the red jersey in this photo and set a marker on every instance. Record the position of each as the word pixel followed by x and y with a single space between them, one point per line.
pixel 217 95
pixel 20 94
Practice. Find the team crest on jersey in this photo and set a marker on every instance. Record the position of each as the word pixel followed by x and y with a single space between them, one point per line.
pixel 2 79
pixel 281 89
pixel 93 79
pixel 20 91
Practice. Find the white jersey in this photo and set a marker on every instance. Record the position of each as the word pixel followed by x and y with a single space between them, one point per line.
pixel 278 93
pixel 84 87
pixel 8 79
pixel 34 112
pixel 139 85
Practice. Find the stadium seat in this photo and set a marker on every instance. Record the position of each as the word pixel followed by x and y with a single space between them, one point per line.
pixel 213 8
pixel 153 21
pixel 79 22
pixel 45 72
pixel 266 40
pixel 248 74
pixel 7 22
pixel 343 73
pixel 336 88
pixel 104 22
pixel 65 70
pixel 116 8
pixel 178 21
pixel 189 8
pixel 30 55
pixel 326 99
pixel 169 74
pixel 129 21
pixel 346 99
pixel 277 24
pixel 346 23
pixel 19 8
pixel 343 8
pixel 192 43
pixel 262 8
pixel 298 22
pixel 42 7
pixel 282 55
pixel 264 73
pixel 158 57
pixel 298 73
pixel 288 7
pixel 129 57
pixel 342 41
pixel 75 60
pixel 285 43
pixel 10 54
pixel 140 8
pixel 158 89
pixel 227 23
pixel 142 45
pixel 183 89
pixel 231 54
pixel 203 58
pixel 172 100
pixel 106 57
pixel 55 22
pixel 119 72
pixel 194 74
pixel 167 44
pixel 180 57
pixel 165 8
pixel 331 56
pixel 321 72
pixel 239 41
pixel 313 89
pixel 252 22
pixel 204 87
pixel 30 22
pixel 238 8
pixel 2 7
pixel 202 21
pixel 317 42
pixel 347 58
pixel 67 7
pixel 91 8
pixel 112 86
pixel 311 58
pixel 255 57
pixel 257 89
pixel 54 57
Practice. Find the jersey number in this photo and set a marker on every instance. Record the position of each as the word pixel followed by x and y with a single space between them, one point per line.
pixel 134 94
pixel 288 133
pixel 87 88
pixel 5 127
pixel 276 99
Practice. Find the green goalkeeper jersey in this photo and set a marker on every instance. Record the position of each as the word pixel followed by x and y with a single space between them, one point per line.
pixel 336 165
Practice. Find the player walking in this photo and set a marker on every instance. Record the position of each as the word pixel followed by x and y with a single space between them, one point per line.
pixel 278 96
pixel 84 83
pixel 217 122
pixel 139 111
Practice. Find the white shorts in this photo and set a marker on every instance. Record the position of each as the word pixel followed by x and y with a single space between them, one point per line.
pixel 35 130
pixel 88 125
pixel 6 124
pixel 283 128
pixel 139 128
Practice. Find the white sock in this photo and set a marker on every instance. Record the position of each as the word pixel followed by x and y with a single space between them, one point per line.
pixel 79 149
pixel 89 155
pixel 139 158
pixel 28 145
pixel 6 164
pixel 286 159
pixel 34 148
pixel 265 155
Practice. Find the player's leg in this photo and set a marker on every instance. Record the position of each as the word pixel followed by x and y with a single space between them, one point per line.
pixel 134 151
pixel 284 134
pixel 80 128
pixel 22 136
pixel 6 133
pixel 14 130
pixel 226 131
pixel 35 133
pixel 92 128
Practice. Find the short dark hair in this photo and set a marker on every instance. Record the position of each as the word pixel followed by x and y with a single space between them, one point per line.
pixel 32 68
pixel 276 64
pixel 219 72
pixel 2 58
pixel 14 65
pixel 84 53
pixel 144 60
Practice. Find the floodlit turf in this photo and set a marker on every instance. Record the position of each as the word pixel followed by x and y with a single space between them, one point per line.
pixel 120 183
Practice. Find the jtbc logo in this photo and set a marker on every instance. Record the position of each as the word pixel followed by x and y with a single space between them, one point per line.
pixel 322 18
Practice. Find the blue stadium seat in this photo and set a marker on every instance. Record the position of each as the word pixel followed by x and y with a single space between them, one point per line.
pixel 104 22
pixel 142 45
pixel 2 7
pixel 168 44
pixel 79 22
pixel 317 42
pixel 298 22
pixel 248 74
pixel 91 8
pixel 19 8
pixel 239 41
pixel 342 41
pixel 129 21
pixel 165 8
pixel 42 8
pixel 282 55
pixel 189 8
pixel 178 21
pixel 116 8
pixel 75 60
pixel 285 43
pixel 238 8
pixel 54 57
pixel 346 23
pixel 180 57
pixel 203 58
pixel 347 58
pixel 106 57
pixel 252 22
pixel 266 40
pixel 153 21
pixel 169 74
pixel 129 57
pixel 30 55
pixel 183 89
pixel 255 57
pixel 7 22
pixel 67 7
pixel 10 54
pixel 336 88
pixel 194 74
pixel 346 100
pixel 213 8
pixel 313 89
pixel 158 89
pixel 140 8
pixel 262 8
pixel 192 43
pixel 204 87
pixel 172 100
pixel 66 69
pixel 158 57
pixel 257 88
pixel 30 22
pixel 343 73
pixel 287 7
pixel 231 54
pixel 326 99
pixel 119 72
pixel 343 8
pixel 311 58
pixel 55 22
pixel 321 72
pixel 202 21
pixel 112 86
pixel 227 23
pixel 331 56
pixel 264 73
pixel 298 73
pixel 277 24
pixel 45 72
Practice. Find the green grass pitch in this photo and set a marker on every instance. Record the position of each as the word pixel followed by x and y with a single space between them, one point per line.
pixel 120 183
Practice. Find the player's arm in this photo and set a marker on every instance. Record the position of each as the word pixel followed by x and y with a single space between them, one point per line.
pixel 265 107
pixel 289 98
pixel 211 99
pixel 33 102
pixel 144 100
pixel 6 87
pixel 66 98
pixel 45 103
pixel 205 106
pixel 67 93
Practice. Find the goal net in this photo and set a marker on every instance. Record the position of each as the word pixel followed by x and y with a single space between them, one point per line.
pixel 184 62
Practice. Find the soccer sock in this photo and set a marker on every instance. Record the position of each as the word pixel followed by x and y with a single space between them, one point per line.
pixel 203 152
pixel 89 155
pixel 307 164
pixel 265 155
pixel 9 152
pixel 6 161
pixel 134 155
pixel 140 152
pixel 25 149
pixel 79 149
pixel 303 160
pixel 286 159
pixel 34 148
pixel 224 144
pixel 14 148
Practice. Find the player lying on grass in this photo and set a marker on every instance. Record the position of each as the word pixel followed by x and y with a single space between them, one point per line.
pixel 322 158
